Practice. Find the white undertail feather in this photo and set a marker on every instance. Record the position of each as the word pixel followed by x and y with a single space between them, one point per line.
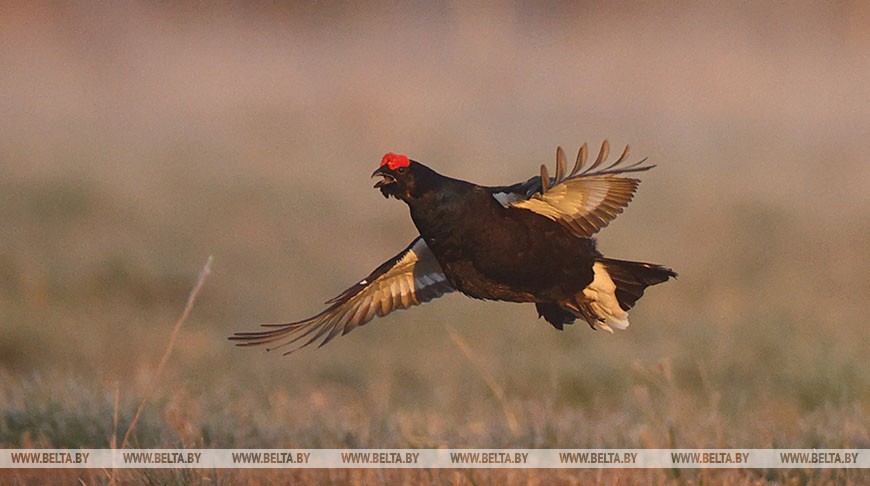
pixel 601 294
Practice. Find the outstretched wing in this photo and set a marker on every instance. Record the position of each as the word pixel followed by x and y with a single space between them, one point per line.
pixel 584 201
pixel 410 278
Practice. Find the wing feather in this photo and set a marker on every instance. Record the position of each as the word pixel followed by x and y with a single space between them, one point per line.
pixel 584 201
pixel 410 278
pixel 581 159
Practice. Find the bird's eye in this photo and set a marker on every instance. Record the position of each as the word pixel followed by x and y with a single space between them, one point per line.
pixel 401 170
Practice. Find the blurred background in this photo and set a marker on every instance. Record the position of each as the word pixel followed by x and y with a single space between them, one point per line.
pixel 138 139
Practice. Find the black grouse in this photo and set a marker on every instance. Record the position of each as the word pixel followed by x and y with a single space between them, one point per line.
pixel 528 242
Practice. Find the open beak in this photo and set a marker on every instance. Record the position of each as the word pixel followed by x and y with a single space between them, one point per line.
pixel 387 178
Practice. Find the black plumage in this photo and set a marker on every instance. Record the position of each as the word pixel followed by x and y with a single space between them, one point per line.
pixel 527 242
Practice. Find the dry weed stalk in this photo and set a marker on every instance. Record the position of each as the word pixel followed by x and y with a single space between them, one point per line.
pixel 493 385
pixel 150 388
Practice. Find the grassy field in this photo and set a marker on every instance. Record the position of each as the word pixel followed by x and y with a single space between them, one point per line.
pixel 136 141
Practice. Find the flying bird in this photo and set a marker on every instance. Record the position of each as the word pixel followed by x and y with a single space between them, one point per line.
pixel 527 242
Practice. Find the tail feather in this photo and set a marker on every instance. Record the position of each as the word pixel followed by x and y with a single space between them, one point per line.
pixel 632 278
pixel 604 303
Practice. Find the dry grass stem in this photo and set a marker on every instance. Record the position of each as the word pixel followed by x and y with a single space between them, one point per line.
pixel 487 377
pixel 187 307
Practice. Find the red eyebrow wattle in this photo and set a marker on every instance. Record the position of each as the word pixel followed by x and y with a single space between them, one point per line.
pixel 394 161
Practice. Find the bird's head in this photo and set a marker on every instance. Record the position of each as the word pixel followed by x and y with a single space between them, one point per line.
pixel 401 177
